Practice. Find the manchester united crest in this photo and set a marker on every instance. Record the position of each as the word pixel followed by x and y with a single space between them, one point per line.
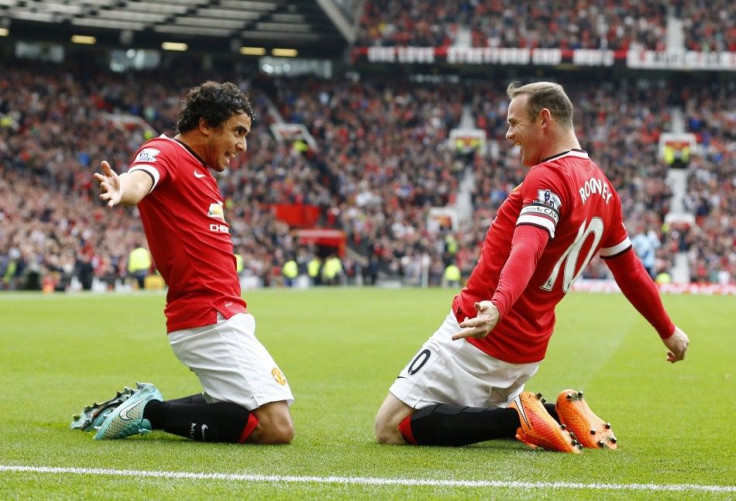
pixel 278 376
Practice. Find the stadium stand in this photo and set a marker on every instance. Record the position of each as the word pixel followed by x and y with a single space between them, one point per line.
pixel 708 26
pixel 586 25
pixel 421 23
pixel 375 158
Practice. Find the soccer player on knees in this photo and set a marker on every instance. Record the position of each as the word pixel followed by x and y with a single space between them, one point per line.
pixel 466 384
pixel 245 395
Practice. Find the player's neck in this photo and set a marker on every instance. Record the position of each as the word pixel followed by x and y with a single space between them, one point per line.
pixel 191 141
pixel 565 142
pixel 192 144
pixel 186 139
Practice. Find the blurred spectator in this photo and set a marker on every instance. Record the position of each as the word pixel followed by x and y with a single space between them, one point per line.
pixel 290 271
pixel 332 271
pixel 452 276
pixel 314 270
pixel 139 265
pixel 645 245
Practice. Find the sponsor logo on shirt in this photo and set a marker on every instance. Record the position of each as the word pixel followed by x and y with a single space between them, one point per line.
pixel 147 155
pixel 219 228
pixel 216 211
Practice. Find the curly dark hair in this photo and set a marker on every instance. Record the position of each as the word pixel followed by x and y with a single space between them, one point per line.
pixel 215 102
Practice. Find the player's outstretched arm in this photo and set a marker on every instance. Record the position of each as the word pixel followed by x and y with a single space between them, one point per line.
pixel 641 292
pixel 126 189
pixel 676 345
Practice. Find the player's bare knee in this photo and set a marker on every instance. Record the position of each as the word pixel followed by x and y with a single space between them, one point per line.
pixel 383 436
pixel 275 425
pixel 386 424
pixel 378 432
pixel 280 434
pixel 387 434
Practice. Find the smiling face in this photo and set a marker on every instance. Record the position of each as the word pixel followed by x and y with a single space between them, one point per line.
pixel 525 131
pixel 226 141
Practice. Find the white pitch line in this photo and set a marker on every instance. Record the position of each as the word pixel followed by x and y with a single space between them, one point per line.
pixel 369 480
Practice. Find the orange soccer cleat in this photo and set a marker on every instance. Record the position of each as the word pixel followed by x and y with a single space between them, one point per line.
pixel 588 428
pixel 538 428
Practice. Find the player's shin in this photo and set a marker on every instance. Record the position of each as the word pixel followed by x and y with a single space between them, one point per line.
pixel 215 422
pixel 454 425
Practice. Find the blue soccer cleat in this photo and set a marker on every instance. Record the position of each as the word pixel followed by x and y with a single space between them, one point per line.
pixel 92 416
pixel 127 418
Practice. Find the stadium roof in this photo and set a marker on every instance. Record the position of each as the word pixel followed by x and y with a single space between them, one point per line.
pixel 316 27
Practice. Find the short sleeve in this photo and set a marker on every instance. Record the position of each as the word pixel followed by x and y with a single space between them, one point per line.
pixel 543 199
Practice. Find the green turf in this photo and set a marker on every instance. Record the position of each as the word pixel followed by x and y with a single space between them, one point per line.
pixel 341 349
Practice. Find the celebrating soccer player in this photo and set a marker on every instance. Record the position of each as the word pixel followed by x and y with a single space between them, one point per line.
pixel 246 397
pixel 466 384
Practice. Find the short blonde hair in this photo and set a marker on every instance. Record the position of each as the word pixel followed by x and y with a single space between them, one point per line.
pixel 545 95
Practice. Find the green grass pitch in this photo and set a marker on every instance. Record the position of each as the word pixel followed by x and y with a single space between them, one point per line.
pixel 341 349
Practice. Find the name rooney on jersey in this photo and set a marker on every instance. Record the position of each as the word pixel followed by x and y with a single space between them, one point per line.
pixel 595 186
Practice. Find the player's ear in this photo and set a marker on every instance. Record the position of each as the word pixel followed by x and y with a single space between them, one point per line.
pixel 545 115
pixel 203 126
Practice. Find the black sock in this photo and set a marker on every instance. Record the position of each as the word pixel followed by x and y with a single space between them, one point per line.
pixel 552 411
pixel 191 399
pixel 443 424
pixel 216 422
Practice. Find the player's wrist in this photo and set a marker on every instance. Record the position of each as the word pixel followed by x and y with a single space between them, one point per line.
pixel 497 303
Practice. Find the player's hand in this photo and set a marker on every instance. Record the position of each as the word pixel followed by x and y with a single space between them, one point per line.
pixel 110 186
pixel 677 345
pixel 482 324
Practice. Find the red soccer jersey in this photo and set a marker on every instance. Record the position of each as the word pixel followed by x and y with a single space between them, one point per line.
pixel 568 196
pixel 188 236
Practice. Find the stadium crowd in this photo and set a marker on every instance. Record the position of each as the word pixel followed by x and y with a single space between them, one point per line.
pixel 709 26
pixel 381 162
pixel 421 23
pixel 589 24
pixel 711 243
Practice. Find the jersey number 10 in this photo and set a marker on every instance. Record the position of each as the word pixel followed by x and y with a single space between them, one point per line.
pixel 570 257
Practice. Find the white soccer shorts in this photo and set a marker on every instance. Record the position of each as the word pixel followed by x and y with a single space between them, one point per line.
pixel 456 372
pixel 231 364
